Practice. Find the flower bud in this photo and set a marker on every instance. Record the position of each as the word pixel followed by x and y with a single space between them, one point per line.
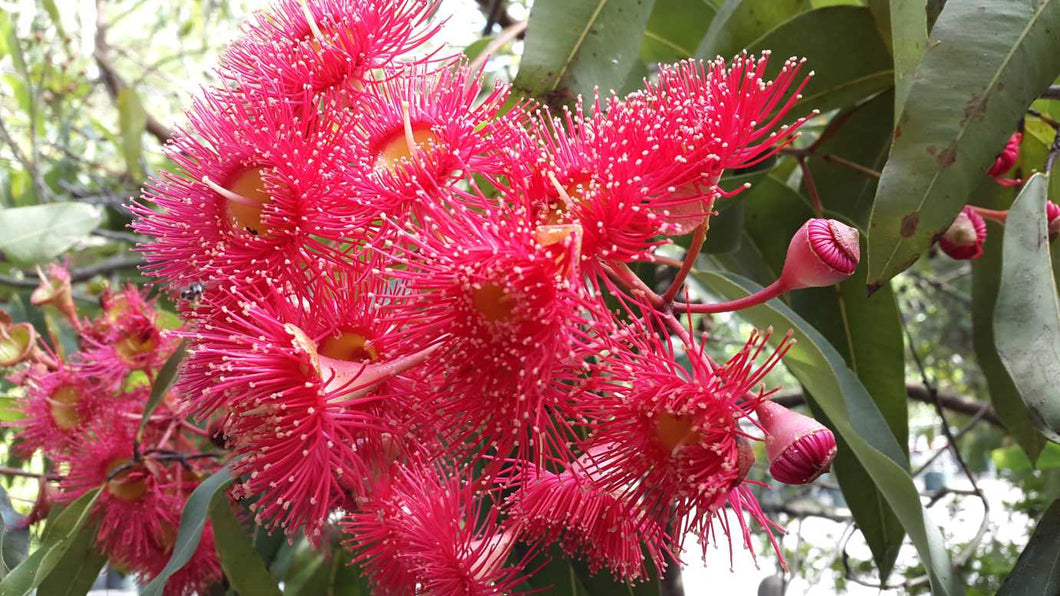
pixel 1052 214
pixel 1008 157
pixel 799 448
pixel 965 237
pixel 823 252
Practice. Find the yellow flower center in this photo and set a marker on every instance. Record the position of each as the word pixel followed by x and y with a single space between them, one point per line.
pixel 244 214
pixel 63 403
pixel 493 302
pixel 127 485
pixel 351 345
pixel 397 150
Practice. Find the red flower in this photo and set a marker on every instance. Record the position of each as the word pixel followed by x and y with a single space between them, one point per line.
pixel 430 534
pixel 674 435
pixel 59 406
pixel 263 184
pixel 1006 160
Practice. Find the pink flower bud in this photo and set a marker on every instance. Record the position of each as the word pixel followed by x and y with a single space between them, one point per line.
pixel 823 252
pixel 799 448
pixel 1052 214
pixel 965 237
pixel 1007 158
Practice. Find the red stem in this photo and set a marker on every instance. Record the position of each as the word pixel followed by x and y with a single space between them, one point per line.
pixel 767 293
pixel 992 214
pixel 690 259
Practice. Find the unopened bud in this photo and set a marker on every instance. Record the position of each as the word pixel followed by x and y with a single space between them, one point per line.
pixel 1052 214
pixel 799 448
pixel 1008 157
pixel 822 253
pixel 965 237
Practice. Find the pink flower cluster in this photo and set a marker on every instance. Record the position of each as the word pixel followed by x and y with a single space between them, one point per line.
pixel 82 412
pixel 395 289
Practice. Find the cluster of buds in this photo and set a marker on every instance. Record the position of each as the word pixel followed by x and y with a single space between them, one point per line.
pixel 83 410
pixel 964 239
pixel 393 289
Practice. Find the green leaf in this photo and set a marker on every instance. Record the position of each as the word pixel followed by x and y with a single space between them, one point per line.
pixel 674 29
pixel 1015 459
pixel 14 538
pixel 739 23
pixel 849 60
pixel 854 416
pixel 53 12
pixel 909 31
pixel 573 46
pixel 192 522
pixel 59 536
pixel 726 229
pixel 868 335
pixel 242 566
pixel 38 234
pixel 987 60
pixel 1038 569
pixel 163 382
pixel 132 120
pixel 78 569
pixel 861 135
pixel 986 281
pixel 1027 315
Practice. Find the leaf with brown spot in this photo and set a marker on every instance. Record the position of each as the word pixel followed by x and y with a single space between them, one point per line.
pixel 956 102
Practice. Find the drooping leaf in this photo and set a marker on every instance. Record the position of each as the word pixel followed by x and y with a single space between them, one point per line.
pixel 132 120
pixel 845 52
pixel 986 280
pixel 1037 571
pixel 854 416
pixel 39 233
pixel 986 61
pixel 165 379
pixel 675 28
pixel 574 46
pixel 739 23
pixel 189 533
pixel 1027 314
pixel 59 536
pixel 242 566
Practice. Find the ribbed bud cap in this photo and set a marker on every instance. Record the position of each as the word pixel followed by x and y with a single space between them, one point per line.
pixel 822 253
pixel 799 448
pixel 965 237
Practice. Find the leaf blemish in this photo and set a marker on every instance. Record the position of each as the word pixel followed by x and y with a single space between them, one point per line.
pixel 909 224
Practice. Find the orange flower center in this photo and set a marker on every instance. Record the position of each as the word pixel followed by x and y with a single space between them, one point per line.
pixel 397 150
pixel 244 214
pixel 673 431
pixel 493 302
pixel 128 485
pixel 63 403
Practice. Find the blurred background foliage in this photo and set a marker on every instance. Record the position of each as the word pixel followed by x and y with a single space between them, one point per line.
pixel 91 90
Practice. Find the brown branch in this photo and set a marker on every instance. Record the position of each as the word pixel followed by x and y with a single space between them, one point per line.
pixel 111 265
pixel 6 471
pixel 951 401
pixel 114 82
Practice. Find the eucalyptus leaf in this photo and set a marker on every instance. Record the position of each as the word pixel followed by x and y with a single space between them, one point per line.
pixel 39 233
pixel 986 61
pixel 192 522
pixel 242 566
pixel 574 46
pixel 1027 315
pixel 165 379
pixel 1037 571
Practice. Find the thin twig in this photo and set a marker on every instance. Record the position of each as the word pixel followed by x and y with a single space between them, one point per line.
pixel 1043 117
pixel 849 164
pixel 811 186
pixel 119 263
pixel 509 33
pixel 1054 151
pixel 17 472
pixel 951 401
pixel 1053 92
